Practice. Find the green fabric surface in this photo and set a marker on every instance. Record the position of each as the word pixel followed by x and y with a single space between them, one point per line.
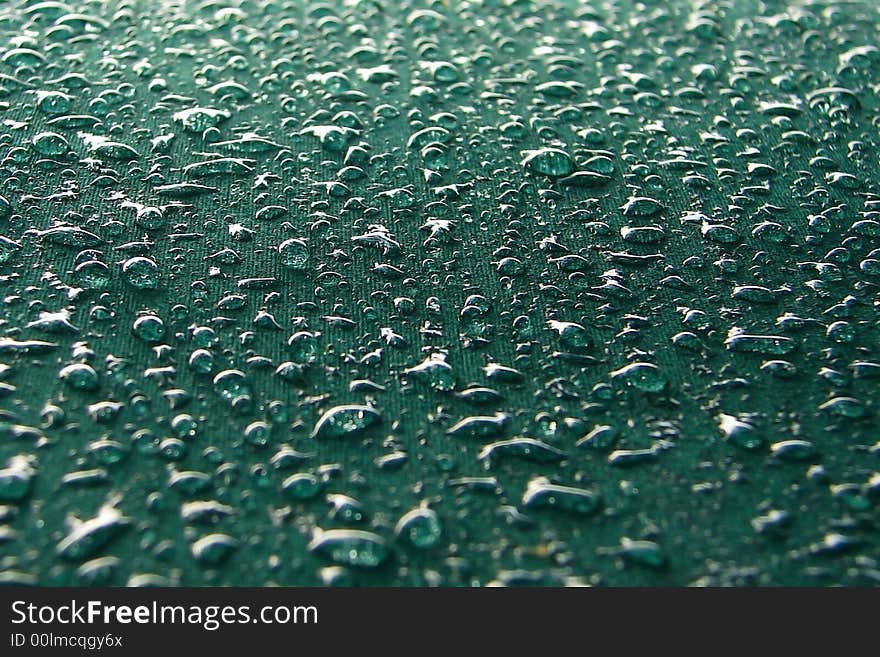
pixel 439 293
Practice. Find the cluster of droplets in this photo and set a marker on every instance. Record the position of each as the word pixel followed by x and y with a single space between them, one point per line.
pixel 440 293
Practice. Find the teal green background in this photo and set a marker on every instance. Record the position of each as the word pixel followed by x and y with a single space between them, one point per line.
pixel 759 117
